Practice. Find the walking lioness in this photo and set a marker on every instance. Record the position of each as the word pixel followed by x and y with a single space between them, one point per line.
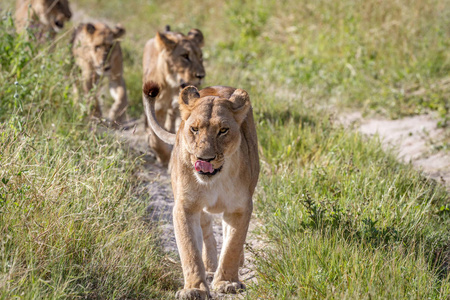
pixel 172 60
pixel 214 169
pixel 97 52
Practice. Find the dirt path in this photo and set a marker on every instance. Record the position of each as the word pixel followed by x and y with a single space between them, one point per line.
pixel 416 139
pixel 156 187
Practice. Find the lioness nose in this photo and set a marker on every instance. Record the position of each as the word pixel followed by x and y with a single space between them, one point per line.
pixel 200 75
pixel 59 24
pixel 206 159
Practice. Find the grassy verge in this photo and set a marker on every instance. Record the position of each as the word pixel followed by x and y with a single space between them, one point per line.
pixel 345 220
pixel 70 225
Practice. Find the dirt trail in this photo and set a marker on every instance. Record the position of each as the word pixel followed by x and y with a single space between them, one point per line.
pixel 155 185
pixel 416 139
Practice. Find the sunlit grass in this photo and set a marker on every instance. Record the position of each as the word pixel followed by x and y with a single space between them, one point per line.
pixel 70 224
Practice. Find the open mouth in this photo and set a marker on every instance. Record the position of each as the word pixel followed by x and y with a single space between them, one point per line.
pixel 214 172
pixel 205 168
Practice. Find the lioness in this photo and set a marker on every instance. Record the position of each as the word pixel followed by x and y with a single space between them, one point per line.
pixel 214 169
pixel 172 60
pixel 46 15
pixel 97 52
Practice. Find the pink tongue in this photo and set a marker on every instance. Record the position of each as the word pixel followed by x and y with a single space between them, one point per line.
pixel 203 166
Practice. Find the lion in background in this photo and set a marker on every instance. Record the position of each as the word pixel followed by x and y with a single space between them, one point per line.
pixel 47 16
pixel 172 60
pixel 214 169
pixel 97 52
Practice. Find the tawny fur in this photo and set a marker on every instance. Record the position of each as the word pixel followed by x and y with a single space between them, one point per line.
pixel 43 16
pixel 217 126
pixel 97 52
pixel 172 60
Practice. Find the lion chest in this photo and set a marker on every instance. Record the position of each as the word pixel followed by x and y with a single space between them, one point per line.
pixel 226 195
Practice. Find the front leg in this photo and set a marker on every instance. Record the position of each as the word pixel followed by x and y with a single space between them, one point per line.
pixel 90 78
pixel 188 234
pixel 226 279
pixel 209 245
pixel 118 91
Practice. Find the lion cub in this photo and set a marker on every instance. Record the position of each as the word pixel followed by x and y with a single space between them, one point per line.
pixel 48 16
pixel 214 169
pixel 172 60
pixel 97 53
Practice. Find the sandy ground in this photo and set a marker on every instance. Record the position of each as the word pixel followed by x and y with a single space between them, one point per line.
pixel 415 139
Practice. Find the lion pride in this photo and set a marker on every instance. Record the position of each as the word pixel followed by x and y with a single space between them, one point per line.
pixel 214 169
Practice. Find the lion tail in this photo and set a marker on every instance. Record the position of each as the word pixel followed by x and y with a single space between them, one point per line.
pixel 150 91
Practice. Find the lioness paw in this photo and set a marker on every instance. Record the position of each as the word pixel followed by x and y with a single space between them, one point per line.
pixel 192 294
pixel 228 287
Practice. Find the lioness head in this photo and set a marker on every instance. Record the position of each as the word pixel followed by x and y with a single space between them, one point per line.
pixel 184 57
pixel 98 43
pixel 52 13
pixel 211 128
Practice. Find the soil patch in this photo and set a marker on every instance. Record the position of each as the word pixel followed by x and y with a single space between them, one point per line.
pixel 417 140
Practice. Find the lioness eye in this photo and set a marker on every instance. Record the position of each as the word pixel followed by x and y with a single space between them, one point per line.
pixel 194 130
pixel 97 48
pixel 223 131
pixel 185 56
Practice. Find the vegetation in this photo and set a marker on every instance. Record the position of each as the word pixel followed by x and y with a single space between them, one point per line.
pixel 70 224
pixel 342 218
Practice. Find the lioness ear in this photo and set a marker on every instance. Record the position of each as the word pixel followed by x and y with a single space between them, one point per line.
pixel 240 104
pixel 118 31
pixel 163 42
pixel 90 28
pixel 188 96
pixel 197 36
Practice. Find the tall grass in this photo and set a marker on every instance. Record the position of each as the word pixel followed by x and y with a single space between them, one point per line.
pixel 345 219
pixel 70 224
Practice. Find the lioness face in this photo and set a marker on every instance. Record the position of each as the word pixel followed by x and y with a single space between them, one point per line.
pixel 100 44
pixel 184 57
pixel 55 13
pixel 211 130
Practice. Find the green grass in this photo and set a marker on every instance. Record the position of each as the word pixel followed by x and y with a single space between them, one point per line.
pixel 342 218
pixel 345 220
pixel 389 58
pixel 70 223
